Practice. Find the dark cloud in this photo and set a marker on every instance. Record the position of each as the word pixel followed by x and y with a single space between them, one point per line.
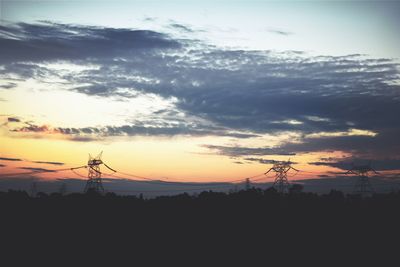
pixel 241 93
pixel 235 151
pixel 33 128
pixel 261 160
pixel 279 32
pixel 12 119
pixel 36 169
pixel 49 162
pixel 181 27
pixel 8 86
pixel 385 144
pixel 51 41
pixel 151 19
pixel 2 165
pixel 93 133
pixel 347 164
pixel 10 159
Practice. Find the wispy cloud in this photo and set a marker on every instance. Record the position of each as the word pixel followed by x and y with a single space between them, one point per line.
pixel 13 119
pixel 261 160
pixel 94 133
pixel 49 162
pixel 279 31
pixel 181 27
pixel 36 169
pixel 8 85
pixel 33 161
pixel 10 159
pixel 235 151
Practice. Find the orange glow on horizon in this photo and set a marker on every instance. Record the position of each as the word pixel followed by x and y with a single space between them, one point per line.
pixel 170 159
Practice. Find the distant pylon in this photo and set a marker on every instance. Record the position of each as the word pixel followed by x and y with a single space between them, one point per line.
pixel 235 189
pixel 363 185
pixel 94 182
pixel 247 184
pixel 33 189
pixel 281 168
pixel 63 189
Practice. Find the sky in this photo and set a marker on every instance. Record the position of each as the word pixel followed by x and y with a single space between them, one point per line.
pixel 199 91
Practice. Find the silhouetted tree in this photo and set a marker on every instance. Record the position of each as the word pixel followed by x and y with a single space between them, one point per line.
pixel 296 189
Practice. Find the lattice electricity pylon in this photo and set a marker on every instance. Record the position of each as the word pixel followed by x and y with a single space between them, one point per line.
pixel 363 185
pixel 247 184
pixel 63 189
pixel 281 169
pixel 33 189
pixel 94 182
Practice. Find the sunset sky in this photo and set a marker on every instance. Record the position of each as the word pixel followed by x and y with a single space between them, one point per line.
pixel 199 90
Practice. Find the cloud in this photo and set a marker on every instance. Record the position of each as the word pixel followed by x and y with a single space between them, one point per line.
pixel 8 86
pixel 10 159
pixel 12 119
pixel 34 128
pixel 235 151
pixel 279 32
pixel 150 19
pixel 51 41
pixel 38 162
pixel 261 160
pixel 2 165
pixel 181 27
pixel 49 162
pixel 347 163
pixel 221 92
pixel 36 169
pixel 94 133
pixel 383 145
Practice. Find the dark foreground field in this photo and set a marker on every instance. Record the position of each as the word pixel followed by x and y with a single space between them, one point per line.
pixel 266 224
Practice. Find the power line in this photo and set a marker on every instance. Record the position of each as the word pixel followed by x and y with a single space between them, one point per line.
pixel 175 181
pixel 78 174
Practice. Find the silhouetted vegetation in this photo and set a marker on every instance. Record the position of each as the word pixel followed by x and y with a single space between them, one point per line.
pixel 214 220
pixel 253 201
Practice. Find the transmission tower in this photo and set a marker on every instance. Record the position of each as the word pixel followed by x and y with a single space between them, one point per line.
pixel 363 185
pixel 281 169
pixel 33 189
pixel 94 182
pixel 63 189
pixel 247 184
